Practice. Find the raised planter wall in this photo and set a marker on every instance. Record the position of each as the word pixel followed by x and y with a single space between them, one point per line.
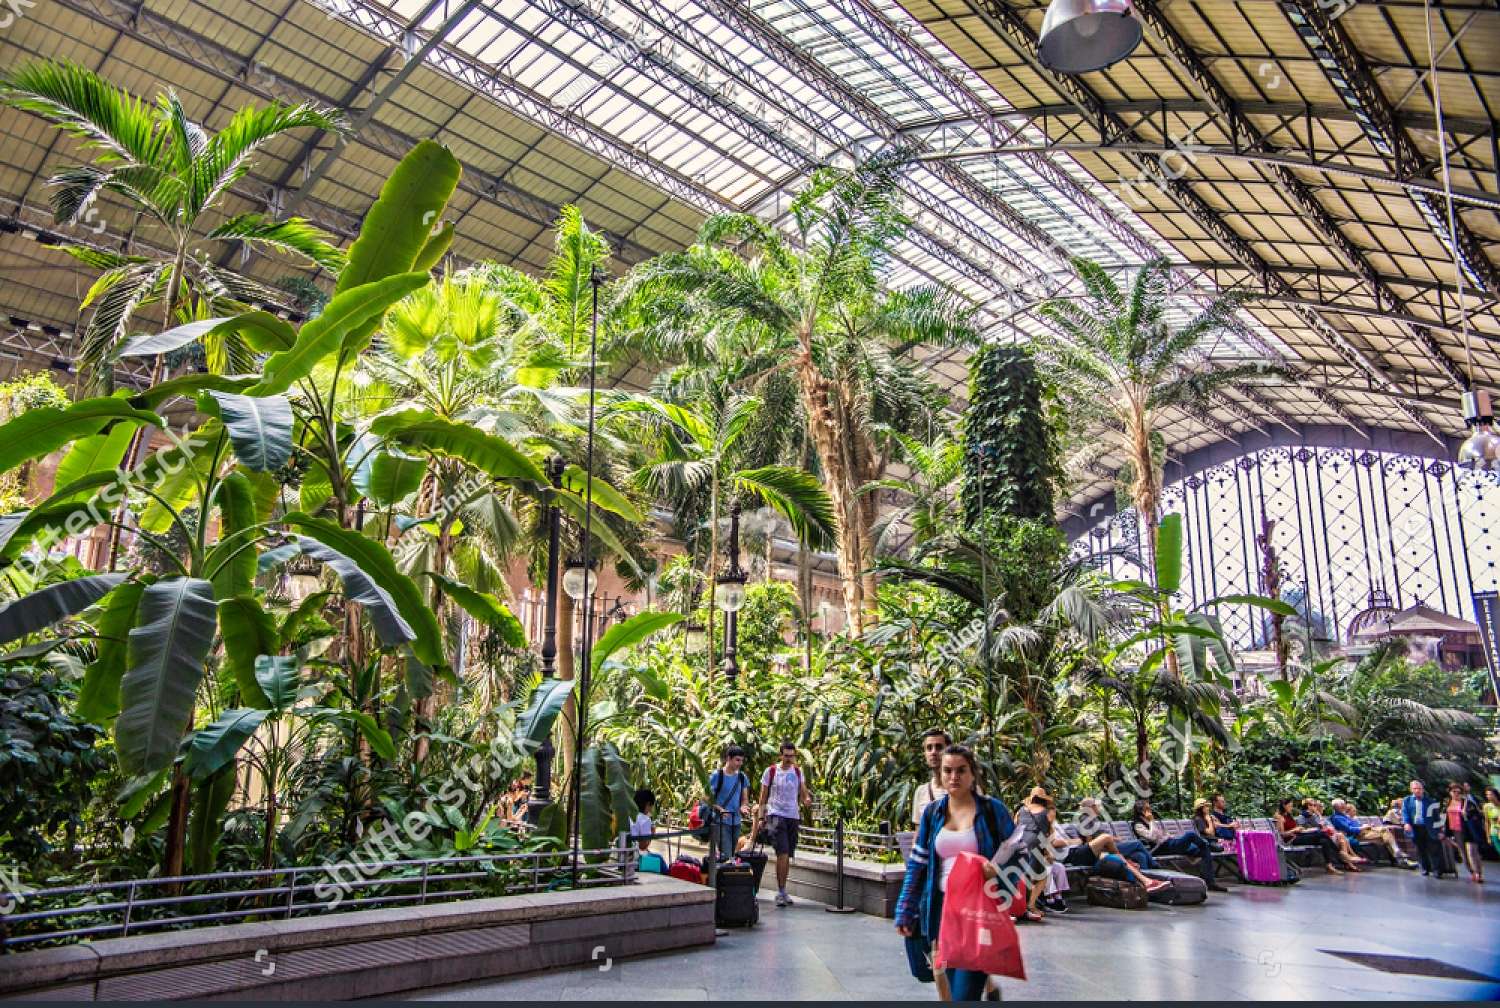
pixel 870 887
pixel 371 952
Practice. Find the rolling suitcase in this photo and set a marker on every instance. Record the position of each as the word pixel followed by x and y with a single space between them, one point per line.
pixel 735 904
pixel 1181 889
pixel 1117 895
pixel 1262 860
pixel 756 859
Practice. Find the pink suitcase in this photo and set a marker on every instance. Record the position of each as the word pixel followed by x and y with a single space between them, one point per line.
pixel 1260 857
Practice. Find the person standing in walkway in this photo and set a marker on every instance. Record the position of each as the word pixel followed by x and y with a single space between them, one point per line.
pixel 1462 826
pixel 934 741
pixel 729 800
pixel 960 820
pixel 1153 833
pixel 1419 815
pixel 783 792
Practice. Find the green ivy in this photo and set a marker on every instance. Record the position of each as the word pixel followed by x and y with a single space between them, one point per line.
pixel 1010 459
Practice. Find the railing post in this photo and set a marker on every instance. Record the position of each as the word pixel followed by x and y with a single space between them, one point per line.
pixel 422 900
pixel 838 853
pixel 129 905
pixel 627 862
pixel 291 892
pixel 712 863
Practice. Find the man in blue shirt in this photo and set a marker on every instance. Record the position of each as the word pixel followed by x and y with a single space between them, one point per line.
pixel 729 800
pixel 1420 816
pixel 1345 819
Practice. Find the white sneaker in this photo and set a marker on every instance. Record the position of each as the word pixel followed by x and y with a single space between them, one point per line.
pixel 782 899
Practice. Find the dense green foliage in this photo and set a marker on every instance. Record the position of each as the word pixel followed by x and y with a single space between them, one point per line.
pixel 1009 465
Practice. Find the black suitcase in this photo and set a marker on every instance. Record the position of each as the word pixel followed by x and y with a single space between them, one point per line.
pixel 757 862
pixel 1447 863
pixel 735 904
pixel 1181 889
pixel 1116 895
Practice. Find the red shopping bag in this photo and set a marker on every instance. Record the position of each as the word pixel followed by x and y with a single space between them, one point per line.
pixel 976 932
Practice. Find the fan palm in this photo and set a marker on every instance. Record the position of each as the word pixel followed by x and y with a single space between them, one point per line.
pixel 935 472
pixel 813 304
pixel 695 453
pixel 174 175
pixel 1117 362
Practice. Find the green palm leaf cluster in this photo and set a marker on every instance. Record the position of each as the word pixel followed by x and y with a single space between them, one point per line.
pixel 173 175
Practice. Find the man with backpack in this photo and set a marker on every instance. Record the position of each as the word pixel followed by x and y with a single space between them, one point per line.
pixel 728 800
pixel 783 792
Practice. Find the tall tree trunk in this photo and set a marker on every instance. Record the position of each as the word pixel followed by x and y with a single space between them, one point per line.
pixel 823 427
pixel 177 824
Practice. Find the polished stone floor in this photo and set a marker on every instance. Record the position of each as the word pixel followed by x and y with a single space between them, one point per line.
pixel 1254 943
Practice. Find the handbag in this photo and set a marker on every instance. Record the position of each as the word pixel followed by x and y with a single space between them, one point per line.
pixel 976 932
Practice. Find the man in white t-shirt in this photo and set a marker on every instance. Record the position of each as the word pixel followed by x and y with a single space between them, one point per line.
pixel 783 792
pixel 641 827
pixel 934 741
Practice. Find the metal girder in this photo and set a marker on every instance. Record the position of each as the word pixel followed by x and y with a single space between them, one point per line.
pixel 1284 112
pixel 1245 134
pixel 1008 24
pixel 1280 163
pixel 218 61
pixel 1347 71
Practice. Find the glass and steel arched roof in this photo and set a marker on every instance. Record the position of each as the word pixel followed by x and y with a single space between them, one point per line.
pixel 652 113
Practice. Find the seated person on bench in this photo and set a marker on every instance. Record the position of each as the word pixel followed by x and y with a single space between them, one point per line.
pixel 1225 824
pixel 1345 819
pixel 1312 816
pixel 1101 853
pixel 1153 833
pixel 1093 829
pixel 1294 835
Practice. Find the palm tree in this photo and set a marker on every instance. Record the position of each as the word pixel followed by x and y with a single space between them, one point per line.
pixel 1118 364
pixel 174 174
pixel 696 454
pixel 812 305
pixel 935 472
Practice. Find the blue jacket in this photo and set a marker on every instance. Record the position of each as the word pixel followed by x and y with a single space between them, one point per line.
pixel 1428 815
pixel 1347 825
pixel 919 888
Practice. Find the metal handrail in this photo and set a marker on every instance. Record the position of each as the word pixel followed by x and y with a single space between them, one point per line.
pixel 533 871
pixel 821 840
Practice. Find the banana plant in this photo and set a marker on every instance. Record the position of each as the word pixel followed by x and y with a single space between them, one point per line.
pixel 158 633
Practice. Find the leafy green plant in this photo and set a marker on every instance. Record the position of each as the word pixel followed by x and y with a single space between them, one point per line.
pixel 1010 464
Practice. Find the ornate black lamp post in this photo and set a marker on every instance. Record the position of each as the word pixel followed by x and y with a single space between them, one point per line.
pixel 729 594
pixel 541 791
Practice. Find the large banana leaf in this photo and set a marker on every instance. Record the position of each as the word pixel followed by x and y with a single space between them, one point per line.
pixel 595 812
pixel 38 432
pixel 484 607
pixel 151 344
pixel 1265 602
pixel 535 722
pixel 231 564
pixel 349 309
pixel 31 613
pixel 419 430
pixel 397 232
pixel 376 562
pixel 621 791
pixel 210 799
pixel 99 699
pixel 360 587
pixel 391 477
pixel 603 495
pixel 190 385
pixel 278 676
pixel 249 632
pixel 93 454
pixel 174 630
pixel 215 745
pixel 1169 554
pixel 259 427
pixel 629 633
pixel 175 474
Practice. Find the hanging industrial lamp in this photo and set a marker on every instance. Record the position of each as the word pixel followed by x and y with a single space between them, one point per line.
pixel 1481 449
pixel 1079 36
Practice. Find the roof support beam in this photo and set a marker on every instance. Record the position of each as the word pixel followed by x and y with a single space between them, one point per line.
pixel 1009 25
pixel 1350 75
pixel 1245 134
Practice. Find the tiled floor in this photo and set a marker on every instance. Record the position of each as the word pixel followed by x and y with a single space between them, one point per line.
pixel 1254 943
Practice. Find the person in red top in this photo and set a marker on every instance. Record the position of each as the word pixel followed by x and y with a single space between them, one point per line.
pixel 1295 835
pixel 1462 826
